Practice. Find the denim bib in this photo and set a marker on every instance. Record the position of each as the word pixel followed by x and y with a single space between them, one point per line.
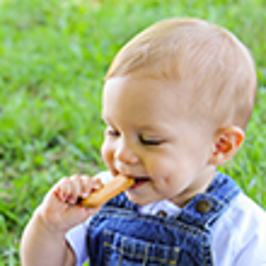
pixel 120 235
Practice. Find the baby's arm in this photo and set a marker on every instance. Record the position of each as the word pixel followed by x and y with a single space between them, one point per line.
pixel 43 242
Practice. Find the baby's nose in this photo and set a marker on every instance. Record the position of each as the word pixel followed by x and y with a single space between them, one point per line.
pixel 125 154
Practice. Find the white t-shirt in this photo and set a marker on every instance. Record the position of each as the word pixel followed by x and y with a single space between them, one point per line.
pixel 240 230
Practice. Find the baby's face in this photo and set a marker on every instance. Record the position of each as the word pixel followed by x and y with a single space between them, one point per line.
pixel 149 138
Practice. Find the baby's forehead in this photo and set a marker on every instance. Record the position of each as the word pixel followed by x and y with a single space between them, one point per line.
pixel 145 101
pixel 154 92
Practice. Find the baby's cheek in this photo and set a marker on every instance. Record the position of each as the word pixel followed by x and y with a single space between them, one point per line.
pixel 107 156
pixel 105 152
pixel 165 181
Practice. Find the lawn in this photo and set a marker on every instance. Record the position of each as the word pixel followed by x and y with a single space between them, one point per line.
pixel 53 57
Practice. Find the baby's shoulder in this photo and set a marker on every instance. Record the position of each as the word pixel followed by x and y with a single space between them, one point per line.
pixel 241 229
pixel 245 214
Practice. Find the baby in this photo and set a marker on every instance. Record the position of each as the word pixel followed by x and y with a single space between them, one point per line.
pixel 176 102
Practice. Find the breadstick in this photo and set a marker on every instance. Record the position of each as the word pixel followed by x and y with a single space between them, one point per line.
pixel 108 191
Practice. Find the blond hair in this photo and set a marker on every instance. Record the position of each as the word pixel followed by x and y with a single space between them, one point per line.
pixel 204 59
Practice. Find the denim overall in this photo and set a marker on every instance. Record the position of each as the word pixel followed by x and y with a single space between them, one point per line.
pixel 120 235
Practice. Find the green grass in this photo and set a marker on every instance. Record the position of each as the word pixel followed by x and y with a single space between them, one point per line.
pixel 53 57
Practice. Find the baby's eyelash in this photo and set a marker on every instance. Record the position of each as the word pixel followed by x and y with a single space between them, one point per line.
pixel 112 132
pixel 151 142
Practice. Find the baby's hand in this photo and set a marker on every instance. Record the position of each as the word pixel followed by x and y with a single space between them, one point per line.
pixel 60 210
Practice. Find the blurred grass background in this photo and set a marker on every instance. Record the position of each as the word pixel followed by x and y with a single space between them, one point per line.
pixel 53 57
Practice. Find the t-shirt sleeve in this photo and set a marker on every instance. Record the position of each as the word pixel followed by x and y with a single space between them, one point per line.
pixel 253 252
pixel 76 238
pixel 239 237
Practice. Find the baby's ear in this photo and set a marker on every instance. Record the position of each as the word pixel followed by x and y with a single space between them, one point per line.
pixel 226 143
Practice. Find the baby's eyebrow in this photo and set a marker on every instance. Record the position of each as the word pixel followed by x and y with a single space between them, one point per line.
pixel 151 127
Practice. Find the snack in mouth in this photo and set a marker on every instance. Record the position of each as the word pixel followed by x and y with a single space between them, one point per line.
pixel 108 191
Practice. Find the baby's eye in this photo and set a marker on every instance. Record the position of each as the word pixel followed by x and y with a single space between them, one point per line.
pixel 112 132
pixel 150 142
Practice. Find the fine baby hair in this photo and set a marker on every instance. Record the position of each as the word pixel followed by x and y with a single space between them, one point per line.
pixel 208 61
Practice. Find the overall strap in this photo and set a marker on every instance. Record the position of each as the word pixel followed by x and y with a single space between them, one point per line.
pixel 121 201
pixel 206 208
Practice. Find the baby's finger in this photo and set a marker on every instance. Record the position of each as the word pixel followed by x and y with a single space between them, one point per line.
pixel 62 189
pixel 86 186
pixel 97 184
pixel 77 188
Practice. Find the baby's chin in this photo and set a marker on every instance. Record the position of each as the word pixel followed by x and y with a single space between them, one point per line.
pixel 142 201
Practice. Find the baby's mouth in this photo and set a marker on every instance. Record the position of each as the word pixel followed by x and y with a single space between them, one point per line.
pixel 139 181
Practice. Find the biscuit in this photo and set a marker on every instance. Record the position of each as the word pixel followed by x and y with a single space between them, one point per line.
pixel 108 191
